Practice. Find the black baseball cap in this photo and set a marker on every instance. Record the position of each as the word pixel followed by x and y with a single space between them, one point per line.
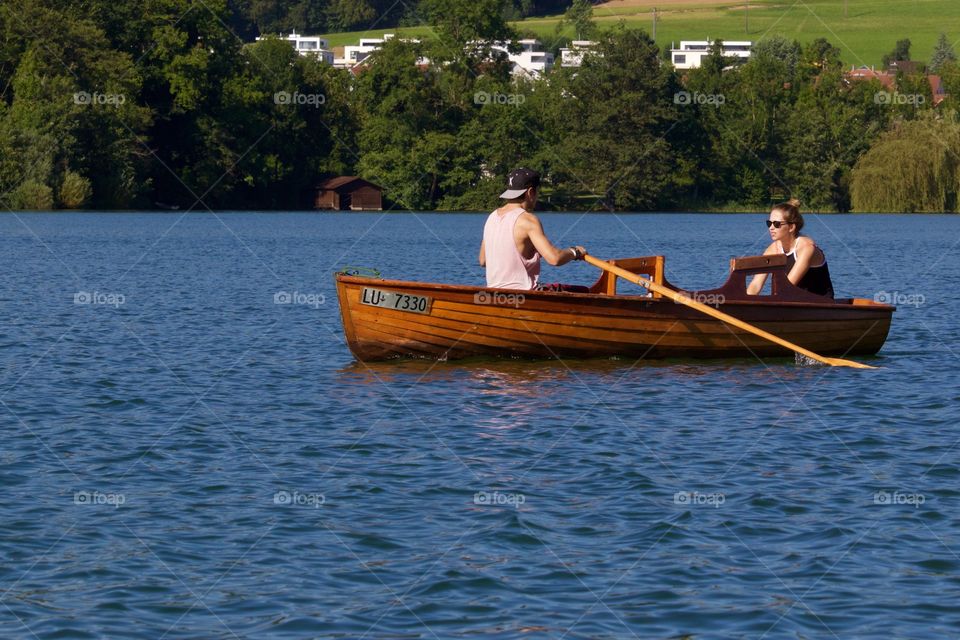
pixel 518 181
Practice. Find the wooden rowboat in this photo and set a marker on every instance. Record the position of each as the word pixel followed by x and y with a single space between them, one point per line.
pixel 385 319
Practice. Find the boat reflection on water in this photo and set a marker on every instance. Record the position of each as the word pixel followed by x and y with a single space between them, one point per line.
pixel 530 407
pixel 520 376
pixel 487 376
pixel 521 388
pixel 489 393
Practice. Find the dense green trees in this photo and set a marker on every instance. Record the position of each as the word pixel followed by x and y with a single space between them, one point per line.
pixel 405 137
pixel 170 107
pixel 832 123
pixel 70 113
pixel 790 123
pixel 282 120
pixel 170 104
pixel 255 17
pixel 618 115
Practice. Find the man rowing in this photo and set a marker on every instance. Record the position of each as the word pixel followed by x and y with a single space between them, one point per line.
pixel 514 241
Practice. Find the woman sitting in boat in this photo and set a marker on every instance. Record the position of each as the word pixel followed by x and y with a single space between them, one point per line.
pixel 513 239
pixel 806 263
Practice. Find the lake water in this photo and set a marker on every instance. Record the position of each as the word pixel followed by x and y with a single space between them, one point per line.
pixel 184 458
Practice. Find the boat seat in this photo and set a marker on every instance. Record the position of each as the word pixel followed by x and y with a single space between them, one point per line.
pixel 649 267
pixel 758 264
pixel 775 266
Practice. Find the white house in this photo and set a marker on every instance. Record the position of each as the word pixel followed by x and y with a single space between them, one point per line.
pixel 572 56
pixel 532 59
pixel 690 54
pixel 310 46
pixel 354 54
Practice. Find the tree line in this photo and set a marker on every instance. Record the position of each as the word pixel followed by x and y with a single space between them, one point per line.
pixel 167 103
pixel 250 17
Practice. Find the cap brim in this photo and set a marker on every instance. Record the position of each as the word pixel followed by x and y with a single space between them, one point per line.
pixel 510 194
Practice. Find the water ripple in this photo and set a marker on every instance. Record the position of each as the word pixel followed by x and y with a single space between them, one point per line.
pixel 203 463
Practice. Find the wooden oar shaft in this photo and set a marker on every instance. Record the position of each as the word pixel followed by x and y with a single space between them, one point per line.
pixel 719 315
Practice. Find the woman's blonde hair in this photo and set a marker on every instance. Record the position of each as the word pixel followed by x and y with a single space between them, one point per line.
pixel 791 213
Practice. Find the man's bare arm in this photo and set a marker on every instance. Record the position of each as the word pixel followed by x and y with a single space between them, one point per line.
pixel 553 255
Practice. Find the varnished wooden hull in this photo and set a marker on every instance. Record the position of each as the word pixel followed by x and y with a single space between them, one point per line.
pixel 461 323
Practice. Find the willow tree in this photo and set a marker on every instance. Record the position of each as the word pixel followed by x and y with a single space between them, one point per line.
pixel 915 167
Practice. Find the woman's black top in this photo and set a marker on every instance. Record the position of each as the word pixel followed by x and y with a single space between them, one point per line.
pixel 816 279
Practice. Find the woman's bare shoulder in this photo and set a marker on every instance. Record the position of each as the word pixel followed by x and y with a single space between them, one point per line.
pixel 806 243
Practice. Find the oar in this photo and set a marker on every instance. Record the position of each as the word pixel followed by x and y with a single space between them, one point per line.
pixel 720 315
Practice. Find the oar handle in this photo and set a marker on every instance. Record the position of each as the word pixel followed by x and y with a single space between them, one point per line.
pixel 716 313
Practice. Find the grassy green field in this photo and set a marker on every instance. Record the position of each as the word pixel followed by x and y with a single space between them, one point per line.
pixel 864 30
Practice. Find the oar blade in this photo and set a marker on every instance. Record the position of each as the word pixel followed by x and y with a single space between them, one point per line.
pixel 840 362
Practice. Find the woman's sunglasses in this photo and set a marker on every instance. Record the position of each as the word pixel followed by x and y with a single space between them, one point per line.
pixel 776 224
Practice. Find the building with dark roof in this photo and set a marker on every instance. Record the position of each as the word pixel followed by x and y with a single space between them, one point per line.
pixel 348 193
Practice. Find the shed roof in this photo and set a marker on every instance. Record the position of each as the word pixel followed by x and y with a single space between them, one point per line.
pixel 342 181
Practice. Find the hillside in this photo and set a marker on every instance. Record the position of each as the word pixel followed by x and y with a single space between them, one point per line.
pixel 863 29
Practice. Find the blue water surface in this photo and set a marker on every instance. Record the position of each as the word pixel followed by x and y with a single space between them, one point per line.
pixel 185 456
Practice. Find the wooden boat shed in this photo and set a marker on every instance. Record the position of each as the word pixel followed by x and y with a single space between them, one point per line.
pixel 348 193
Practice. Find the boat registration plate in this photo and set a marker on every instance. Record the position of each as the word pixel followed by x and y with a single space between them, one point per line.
pixel 394 300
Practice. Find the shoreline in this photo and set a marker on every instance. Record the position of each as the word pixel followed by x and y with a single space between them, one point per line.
pixel 466 211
